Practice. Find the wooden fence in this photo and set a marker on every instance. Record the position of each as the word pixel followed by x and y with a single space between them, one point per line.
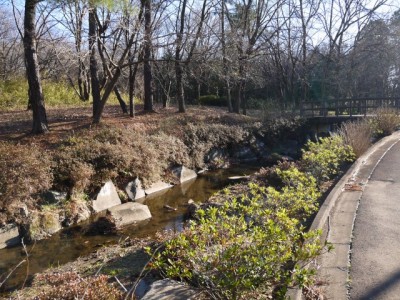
pixel 346 107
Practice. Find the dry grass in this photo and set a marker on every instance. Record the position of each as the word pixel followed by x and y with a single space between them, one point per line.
pixel 25 172
pixel 386 121
pixel 357 134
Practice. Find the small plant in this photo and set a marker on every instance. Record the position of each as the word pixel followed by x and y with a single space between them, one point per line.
pixel 254 242
pixel 385 121
pixel 357 135
pixel 323 159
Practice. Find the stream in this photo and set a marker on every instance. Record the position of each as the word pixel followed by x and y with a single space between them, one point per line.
pixel 69 244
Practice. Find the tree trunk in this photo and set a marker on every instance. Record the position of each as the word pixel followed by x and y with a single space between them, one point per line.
pixel 180 94
pixel 225 61
pixel 36 98
pixel 178 66
pixel 93 66
pixel 120 100
pixel 132 77
pixel 147 70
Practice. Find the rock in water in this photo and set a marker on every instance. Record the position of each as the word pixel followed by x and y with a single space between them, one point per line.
pixel 129 213
pixel 157 187
pixel 107 197
pixel 9 236
pixel 135 190
pixel 184 174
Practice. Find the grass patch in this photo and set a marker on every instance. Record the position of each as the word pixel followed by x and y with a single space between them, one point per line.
pixel 14 95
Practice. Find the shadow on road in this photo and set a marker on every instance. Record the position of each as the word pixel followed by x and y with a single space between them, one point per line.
pixel 381 288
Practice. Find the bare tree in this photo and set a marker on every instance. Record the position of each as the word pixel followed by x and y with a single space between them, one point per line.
pixel 36 98
pixel 147 69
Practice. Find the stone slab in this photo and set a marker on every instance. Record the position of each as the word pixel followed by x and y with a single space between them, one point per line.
pixel 106 198
pixel 9 236
pixel 168 289
pixel 157 187
pixel 134 190
pixel 129 213
pixel 184 174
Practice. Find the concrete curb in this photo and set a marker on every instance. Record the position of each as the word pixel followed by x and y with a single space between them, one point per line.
pixel 336 218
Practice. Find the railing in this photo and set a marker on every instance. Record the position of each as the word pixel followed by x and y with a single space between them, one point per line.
pixel 346 107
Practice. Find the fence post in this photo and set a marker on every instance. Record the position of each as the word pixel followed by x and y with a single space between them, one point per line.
pixel 365 107
pixel 351 107
pixel 336 107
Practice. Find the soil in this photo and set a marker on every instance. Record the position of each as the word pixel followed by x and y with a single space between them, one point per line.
pixel 125 261
pixel 16 125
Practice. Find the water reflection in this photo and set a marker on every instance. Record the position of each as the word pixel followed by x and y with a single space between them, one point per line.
pixel 70 244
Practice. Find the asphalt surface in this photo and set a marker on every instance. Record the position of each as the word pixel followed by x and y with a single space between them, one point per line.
pixel 375 249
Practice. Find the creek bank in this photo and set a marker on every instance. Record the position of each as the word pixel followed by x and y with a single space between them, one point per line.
pixel 42 224
pixel 59 209
pixel 77 241
pixel 212 204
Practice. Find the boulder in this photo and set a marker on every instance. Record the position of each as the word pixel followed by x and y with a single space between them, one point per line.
pixel 193 207
pixel 76 212
pixel 44 224
pixel 157 187
pixel 129 213
pixel 9 236
pixel 106 198
pixel 184 174
pixel 168 289
pixel 135 190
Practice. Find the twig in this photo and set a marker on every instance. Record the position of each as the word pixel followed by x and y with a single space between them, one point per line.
pixel 135 285
pixel 27 260
pixel 12 271
pixel 119 282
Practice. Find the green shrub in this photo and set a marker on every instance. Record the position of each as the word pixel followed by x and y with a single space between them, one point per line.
pixel 212 100
pixel 323 159
pixel 251 243
pixel 25 172
pixel 385 121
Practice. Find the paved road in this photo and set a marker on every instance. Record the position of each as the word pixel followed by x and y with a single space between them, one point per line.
pixel 375 257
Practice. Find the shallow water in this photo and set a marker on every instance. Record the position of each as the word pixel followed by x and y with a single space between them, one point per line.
pixel 70 244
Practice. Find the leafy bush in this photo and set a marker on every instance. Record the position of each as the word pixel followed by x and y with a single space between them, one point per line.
pixel 25 172
pixel 212 100
pixel 357 135
pixel 253 242
pixel 323 159
pixel 70 286
pixel 385 121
